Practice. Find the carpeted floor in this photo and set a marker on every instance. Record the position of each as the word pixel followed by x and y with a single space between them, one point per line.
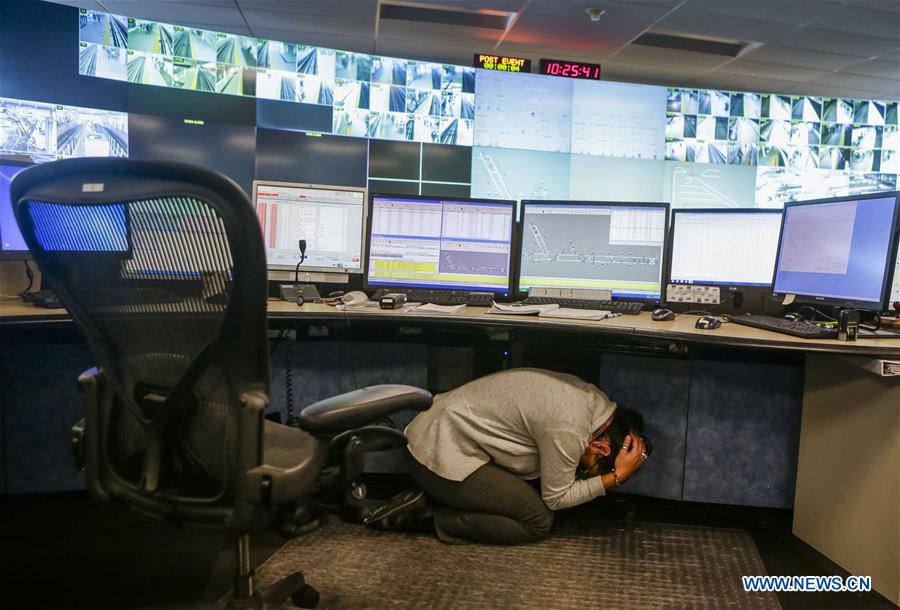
pixel 642 565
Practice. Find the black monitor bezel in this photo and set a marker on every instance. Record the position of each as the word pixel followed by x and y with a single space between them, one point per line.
pixel 15 255
pixel 401 286
pixel 650 204
pixel 882 304
pixel 730 286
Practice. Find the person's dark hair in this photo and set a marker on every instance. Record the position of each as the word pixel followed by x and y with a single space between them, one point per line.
pixel 624 421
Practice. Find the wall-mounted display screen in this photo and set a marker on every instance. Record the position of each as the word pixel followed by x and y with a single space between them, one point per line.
pixel 40 132
pixel 529 135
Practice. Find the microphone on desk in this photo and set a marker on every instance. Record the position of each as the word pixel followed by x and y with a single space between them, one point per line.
pixel 302 246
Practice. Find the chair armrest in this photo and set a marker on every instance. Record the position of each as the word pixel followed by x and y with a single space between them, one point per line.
pixel 360 407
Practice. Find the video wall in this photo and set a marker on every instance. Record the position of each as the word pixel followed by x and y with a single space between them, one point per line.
pixel 526 136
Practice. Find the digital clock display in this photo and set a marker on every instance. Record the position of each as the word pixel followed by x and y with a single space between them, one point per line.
pixel 487 61
pixel 570 69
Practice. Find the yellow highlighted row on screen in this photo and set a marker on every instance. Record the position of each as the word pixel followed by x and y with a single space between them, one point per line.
pixel 526 282
pixel 405 266
pixel 444 277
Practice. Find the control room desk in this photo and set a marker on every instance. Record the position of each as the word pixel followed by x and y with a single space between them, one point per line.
pixel 848 510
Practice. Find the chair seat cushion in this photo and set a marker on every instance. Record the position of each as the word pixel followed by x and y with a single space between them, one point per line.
pixel 287 447
pixel 360 407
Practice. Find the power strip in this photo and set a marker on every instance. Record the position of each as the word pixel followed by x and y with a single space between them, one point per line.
pixel 688 293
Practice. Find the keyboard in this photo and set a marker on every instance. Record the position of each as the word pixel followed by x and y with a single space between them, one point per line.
pixel 445 297
pixel 625 307
pixel 797 328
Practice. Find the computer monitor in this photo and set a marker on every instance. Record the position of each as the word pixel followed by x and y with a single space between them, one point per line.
pixel 439 242
pixel 12 245
pixel 727 247
pixel 838 251
pixel 589 244
pixel 330 218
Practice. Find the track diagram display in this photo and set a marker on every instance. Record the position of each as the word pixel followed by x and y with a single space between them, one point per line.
pixel 618 248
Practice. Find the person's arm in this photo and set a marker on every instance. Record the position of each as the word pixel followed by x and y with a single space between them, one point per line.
pixel 560 451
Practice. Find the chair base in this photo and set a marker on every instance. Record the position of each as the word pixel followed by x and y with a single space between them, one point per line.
pixel 288 593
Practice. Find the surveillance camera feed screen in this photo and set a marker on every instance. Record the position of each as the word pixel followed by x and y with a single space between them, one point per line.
pixel 329 220
pixel 440 243
pixel 39 132
pixel 618 248
pixel 529 136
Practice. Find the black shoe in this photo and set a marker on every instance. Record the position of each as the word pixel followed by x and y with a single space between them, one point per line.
pixel 302 520
pixel 400 512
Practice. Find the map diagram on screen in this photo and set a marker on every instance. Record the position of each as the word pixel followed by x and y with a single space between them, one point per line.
pixel 573 254
pixel 578 247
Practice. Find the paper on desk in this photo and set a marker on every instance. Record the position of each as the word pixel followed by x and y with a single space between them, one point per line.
pixel 521 310
pixel 362 305
pixel 576 314
pixel 440 308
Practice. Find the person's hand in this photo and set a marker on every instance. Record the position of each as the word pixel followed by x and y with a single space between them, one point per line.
pixel 630 457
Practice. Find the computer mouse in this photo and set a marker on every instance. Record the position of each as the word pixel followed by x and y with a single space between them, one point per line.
pixel 707 323
pixel 793 315
pixel 662 314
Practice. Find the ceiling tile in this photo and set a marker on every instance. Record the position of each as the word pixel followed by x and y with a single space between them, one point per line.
pixel 767 70
pixel 856 81
pixel 546 24
pixel 879 68
pixel 697 23
pixel 425 34
pixel 89 4
pixel 831 91
pixel 646 73
pixel 881 5
pixel 357 44
pixel 739 82
pixel 793 12
pixel 304 22
pixel 792 56
pixel 186 13
pixel 833 41
pixel 859 20
pixel 639 54
pixel 352 9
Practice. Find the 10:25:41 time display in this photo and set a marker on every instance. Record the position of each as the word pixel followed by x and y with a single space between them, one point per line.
pixel 570 69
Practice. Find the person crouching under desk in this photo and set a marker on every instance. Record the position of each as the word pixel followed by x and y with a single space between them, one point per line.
pixel 475 451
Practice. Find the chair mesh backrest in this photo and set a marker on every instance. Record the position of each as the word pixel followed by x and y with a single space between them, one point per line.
pixel 150 277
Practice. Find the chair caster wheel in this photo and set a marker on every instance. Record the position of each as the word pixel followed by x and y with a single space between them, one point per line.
pixel 307 597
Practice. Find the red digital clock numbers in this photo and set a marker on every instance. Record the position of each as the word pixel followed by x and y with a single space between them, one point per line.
pixel 570 69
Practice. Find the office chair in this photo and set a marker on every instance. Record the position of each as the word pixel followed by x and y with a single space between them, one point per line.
pixel 162 267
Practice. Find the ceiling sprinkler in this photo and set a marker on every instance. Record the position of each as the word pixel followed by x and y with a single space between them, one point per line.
pixel 595 12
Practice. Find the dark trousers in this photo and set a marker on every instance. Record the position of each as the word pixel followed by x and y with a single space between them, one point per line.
pixel 491 505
